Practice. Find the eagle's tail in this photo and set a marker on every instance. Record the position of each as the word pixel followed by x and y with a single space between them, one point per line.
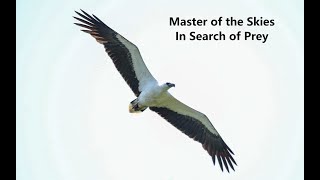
pixel 134 107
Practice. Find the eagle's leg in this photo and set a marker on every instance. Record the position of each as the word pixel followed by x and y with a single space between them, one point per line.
pixel 135 108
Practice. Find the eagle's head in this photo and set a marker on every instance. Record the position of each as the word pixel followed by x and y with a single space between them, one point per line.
pixel 170 85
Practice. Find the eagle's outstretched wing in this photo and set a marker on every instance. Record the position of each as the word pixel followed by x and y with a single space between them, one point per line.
pixel 124 54
pixel 198 127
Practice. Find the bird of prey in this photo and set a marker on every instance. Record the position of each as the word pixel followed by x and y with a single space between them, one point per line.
pixel 149 94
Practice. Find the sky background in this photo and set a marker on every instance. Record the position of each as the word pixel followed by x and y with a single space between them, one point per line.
pixel 72 104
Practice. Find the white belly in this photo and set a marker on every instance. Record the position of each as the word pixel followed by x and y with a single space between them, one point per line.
pixel 151 96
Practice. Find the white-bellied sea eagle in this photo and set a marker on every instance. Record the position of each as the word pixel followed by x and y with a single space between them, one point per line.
pixel 128 61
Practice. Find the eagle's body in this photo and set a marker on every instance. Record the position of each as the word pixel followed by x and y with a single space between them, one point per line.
pixel 149 94
pixel 153 95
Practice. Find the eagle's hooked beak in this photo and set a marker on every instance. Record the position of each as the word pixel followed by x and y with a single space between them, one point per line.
pixel 171 85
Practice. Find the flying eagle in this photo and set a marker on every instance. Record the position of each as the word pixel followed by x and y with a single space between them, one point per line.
pixel 128 61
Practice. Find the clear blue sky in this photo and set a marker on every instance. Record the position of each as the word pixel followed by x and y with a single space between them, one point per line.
pixel 72 105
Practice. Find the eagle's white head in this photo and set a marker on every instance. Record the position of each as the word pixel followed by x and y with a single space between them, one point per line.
pixel 167 86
